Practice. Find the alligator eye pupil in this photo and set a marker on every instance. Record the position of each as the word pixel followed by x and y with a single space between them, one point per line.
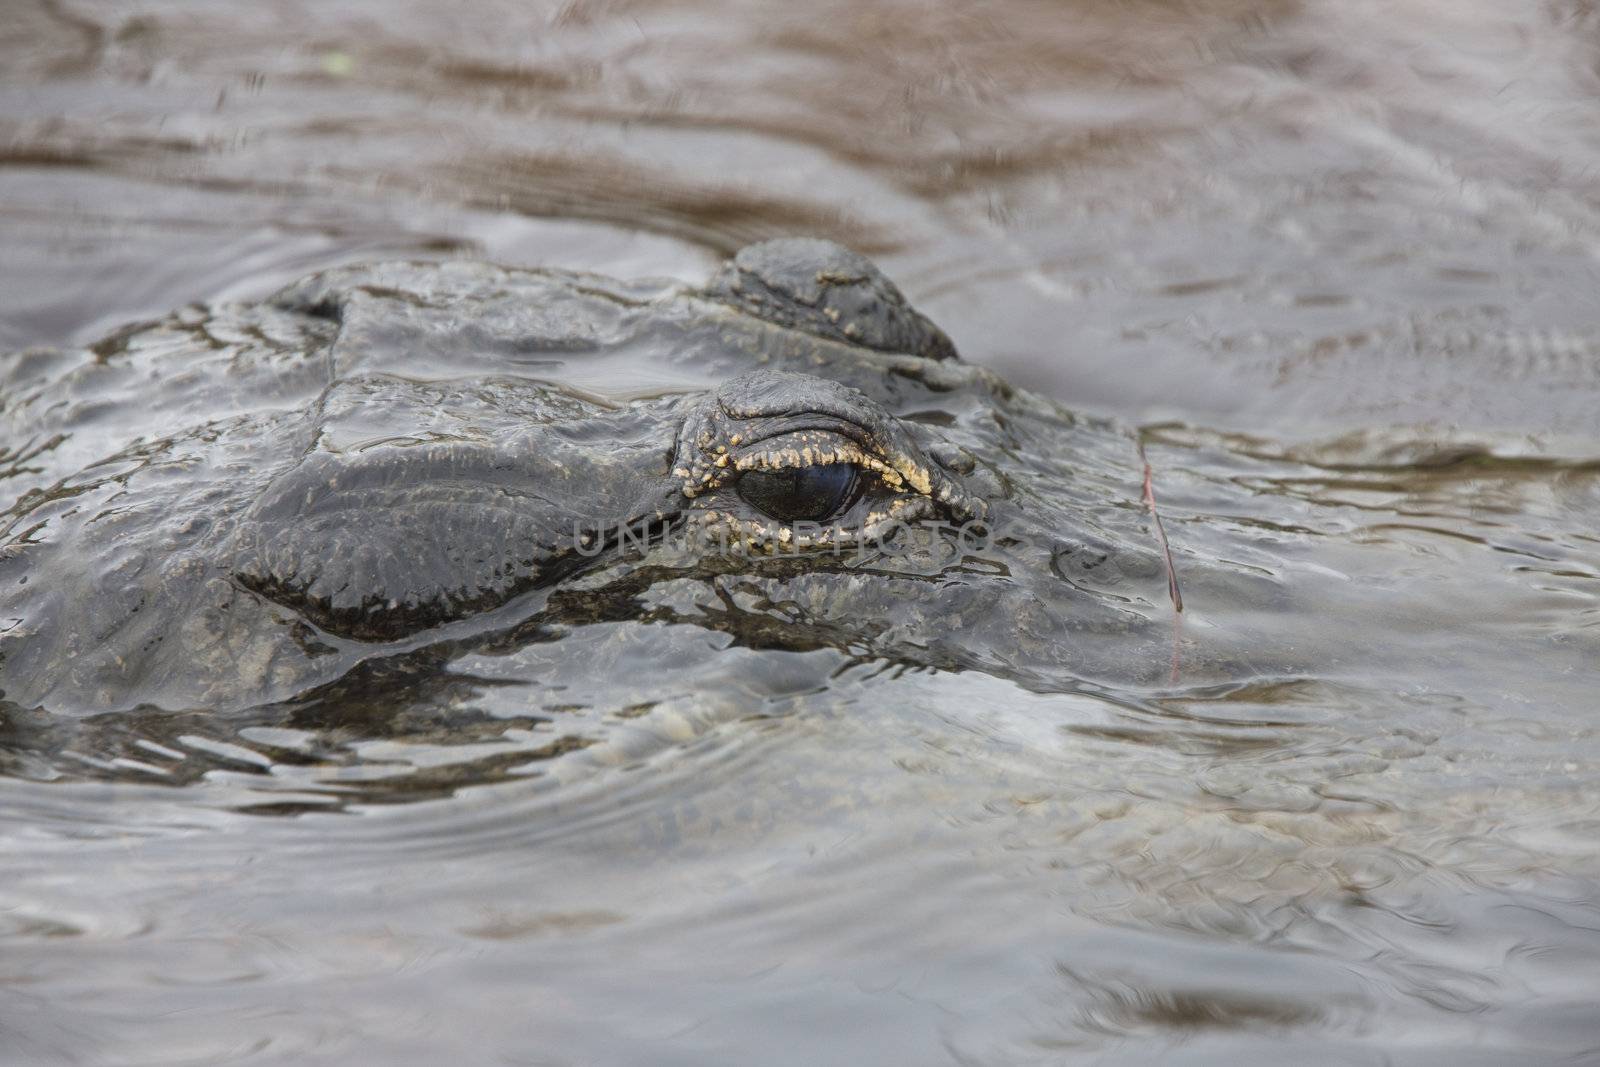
pixel 800 494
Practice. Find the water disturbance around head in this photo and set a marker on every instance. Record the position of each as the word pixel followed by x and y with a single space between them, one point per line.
pixel 860 728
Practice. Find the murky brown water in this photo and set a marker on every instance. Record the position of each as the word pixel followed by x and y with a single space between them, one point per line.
pixel 1338 260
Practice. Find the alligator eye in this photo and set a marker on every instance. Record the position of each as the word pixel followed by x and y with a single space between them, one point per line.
pixel 801 494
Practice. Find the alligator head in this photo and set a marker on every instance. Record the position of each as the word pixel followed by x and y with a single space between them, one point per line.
pixel 405 460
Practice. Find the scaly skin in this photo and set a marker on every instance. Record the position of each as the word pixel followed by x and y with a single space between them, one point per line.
pixel 248 502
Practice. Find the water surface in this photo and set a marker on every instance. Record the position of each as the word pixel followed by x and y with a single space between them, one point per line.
pixel 1333 263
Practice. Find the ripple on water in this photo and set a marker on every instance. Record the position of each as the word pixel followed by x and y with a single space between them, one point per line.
pixel 1355 820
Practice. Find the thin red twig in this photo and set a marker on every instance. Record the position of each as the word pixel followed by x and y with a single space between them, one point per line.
pixel 1166 556
pixel 1161 534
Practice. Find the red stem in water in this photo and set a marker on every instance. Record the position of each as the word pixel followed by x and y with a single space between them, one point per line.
pixel 1161 534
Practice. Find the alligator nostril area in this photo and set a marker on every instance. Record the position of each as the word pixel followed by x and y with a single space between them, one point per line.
pixel 1075 561
pixel 1107 569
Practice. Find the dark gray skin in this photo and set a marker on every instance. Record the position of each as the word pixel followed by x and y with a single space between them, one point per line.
pixel 386 460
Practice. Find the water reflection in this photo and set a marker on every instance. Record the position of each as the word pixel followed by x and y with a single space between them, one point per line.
pixel 1337 259
pixel 1352 213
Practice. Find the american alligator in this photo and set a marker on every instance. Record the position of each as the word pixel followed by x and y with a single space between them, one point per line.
pixel 405 462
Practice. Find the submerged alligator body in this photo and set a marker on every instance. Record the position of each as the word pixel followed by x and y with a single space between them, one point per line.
pixel 391 464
